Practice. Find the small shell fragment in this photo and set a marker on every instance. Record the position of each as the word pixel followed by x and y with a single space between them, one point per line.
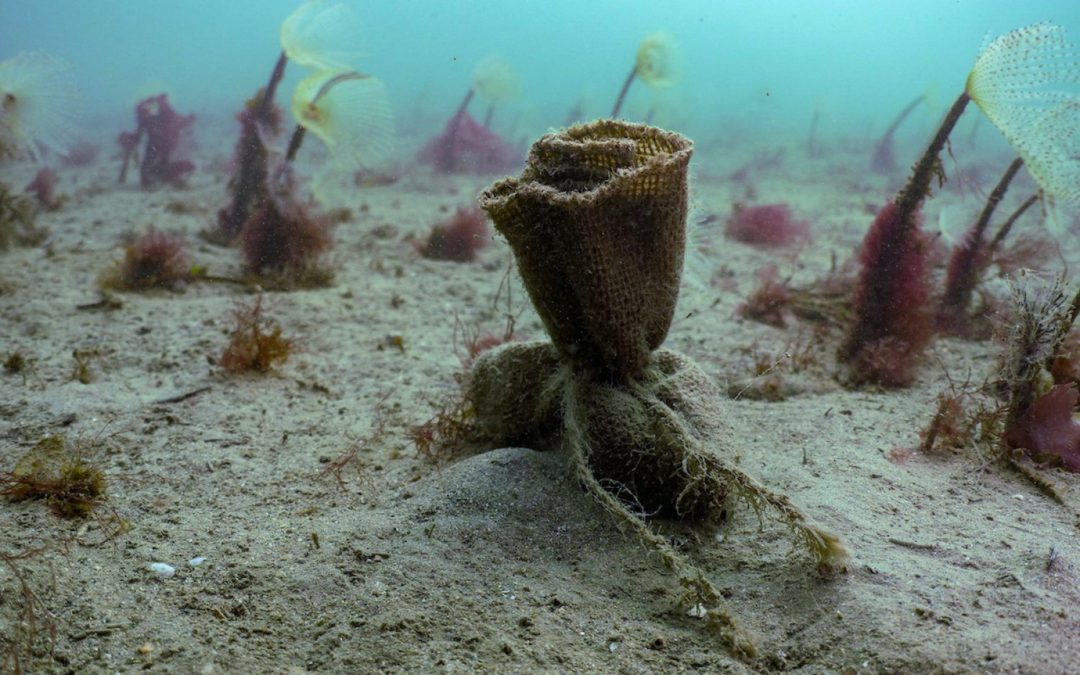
pixel 162 570
pixel 197 560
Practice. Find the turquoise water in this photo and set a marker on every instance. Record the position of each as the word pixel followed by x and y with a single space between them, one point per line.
pixel 759 67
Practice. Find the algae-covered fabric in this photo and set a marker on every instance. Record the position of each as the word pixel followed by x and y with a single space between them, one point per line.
pixel 597 224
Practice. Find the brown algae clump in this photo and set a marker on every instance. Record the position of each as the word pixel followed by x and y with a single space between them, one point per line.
pixel 154 260
pixel 256 343
pixel 597 223
pixel 72 486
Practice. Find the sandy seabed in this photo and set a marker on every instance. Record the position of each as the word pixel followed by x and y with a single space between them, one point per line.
pixel 498 561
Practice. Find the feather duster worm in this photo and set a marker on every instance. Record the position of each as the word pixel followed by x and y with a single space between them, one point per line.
pixel 656 64
pixel 1009 84
pixel 37 96
pixel 345 109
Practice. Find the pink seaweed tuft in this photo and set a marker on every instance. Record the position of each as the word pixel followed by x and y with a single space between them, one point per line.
pixel 282 237
pixel 969 258
pixel 457 238
pixel 168 137
pixel 768 301
pixel 892 323
pixel 767 225
pixel 43 187
pixel 466 146
pixel 1034 251
pixel 155 260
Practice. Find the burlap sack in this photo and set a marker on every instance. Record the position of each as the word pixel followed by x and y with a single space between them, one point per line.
pixel 637 443
pixel 597 224
pixel 518 392
pixel 514 392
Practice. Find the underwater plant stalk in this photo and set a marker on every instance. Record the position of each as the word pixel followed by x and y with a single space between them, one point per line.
pixel 1004 231
pixel 465 103
pixel 970 257
pixel 622 92
pixel 996 196
pixel 271 87
pixel 902 116
pixel 487 116
pixel 297 138
pixel 884 161
pixel 456 119
pixel 918 186
pixel 251 172
pixel 295 141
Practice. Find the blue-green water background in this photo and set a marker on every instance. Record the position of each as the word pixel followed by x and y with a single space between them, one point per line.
pixel 759 67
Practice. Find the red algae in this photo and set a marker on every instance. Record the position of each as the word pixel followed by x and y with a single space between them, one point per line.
pixel 280 236
pixel 766 225
pixel 1065 366
pixel 968 261
pixel 892 323
pixel 168 136
pixel 457 238
pixel 1047 432
pixel 43 187
pixel 1034 251
pixel 256 343
pixel 260 119
pixel 466 146
pixel 155 260
pixel 768 301
pixel 969 258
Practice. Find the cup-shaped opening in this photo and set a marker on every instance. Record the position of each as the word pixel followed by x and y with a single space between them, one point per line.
pixel 575 166
pixel 597 224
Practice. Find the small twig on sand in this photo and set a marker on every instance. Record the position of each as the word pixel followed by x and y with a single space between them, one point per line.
pixel 106 302
pixel 183 397
pixel 912 544
pixel 1052 558
pixel 105 629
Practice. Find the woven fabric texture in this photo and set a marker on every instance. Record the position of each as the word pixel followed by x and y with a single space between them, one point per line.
pixel 597 224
